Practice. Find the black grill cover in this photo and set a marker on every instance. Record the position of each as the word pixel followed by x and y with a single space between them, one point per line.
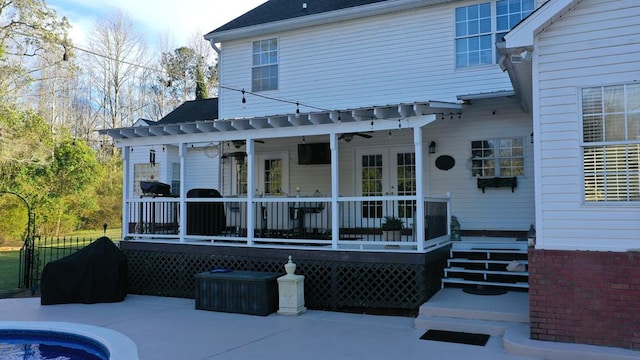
pixel 95 274
pixel 155 188
pixel 205 218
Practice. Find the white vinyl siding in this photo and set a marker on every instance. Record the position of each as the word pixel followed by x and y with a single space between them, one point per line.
pixel 496 208
pixel 416 62
pixel 581 50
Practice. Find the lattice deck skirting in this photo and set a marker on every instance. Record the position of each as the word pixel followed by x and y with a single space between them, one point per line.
pixel 333 279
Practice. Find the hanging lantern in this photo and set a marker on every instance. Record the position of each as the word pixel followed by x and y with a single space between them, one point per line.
pixel 455 229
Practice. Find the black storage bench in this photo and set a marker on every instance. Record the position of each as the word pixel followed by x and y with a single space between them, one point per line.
pixel 236 291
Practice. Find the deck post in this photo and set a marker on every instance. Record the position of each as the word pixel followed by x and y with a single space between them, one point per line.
pixel 335 191
pixel 126 186
pixel 419 215
pixel 251 217
pixel 182 230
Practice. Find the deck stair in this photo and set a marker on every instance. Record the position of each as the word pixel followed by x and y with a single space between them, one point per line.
pixel 475 264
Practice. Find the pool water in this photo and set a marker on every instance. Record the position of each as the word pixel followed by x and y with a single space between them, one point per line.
pixel 45 345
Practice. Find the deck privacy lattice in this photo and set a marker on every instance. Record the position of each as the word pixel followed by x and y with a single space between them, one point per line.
pixel 331 282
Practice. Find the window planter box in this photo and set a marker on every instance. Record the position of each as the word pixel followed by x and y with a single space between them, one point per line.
pixel 498 182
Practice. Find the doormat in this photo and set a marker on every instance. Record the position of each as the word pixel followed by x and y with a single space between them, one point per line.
pixel 456 337
pixel 484 291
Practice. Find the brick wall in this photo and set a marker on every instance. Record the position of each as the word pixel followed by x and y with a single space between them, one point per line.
pixel 585 297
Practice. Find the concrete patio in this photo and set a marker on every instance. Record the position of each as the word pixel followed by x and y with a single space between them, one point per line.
pixel 171 328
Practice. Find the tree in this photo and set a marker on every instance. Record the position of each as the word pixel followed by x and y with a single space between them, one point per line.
pixel 180 66
pixel 28 29
pixel 201 85
pixel 114 67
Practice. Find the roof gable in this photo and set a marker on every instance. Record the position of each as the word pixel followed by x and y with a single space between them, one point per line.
pixel 522 34
pixel 190 111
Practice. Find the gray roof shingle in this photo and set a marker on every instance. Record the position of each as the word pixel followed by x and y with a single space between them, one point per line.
pixel 190 111
pixel 277 10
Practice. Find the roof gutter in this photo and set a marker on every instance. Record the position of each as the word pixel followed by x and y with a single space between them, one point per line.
pixel 352 13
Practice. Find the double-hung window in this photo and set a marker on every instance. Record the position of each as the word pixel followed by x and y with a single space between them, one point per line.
pixel 264 73
pixel 478 27
pixel 497 157
pixel 144 172
pixel 611 143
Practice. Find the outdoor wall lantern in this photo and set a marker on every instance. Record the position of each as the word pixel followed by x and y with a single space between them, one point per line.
pixel 455 229
pixel 432 147
pixel 152 157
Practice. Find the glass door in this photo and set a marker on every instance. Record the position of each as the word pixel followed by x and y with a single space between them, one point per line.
pixel 385 172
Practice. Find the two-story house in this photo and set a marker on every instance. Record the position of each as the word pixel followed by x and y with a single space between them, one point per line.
pixel 335 115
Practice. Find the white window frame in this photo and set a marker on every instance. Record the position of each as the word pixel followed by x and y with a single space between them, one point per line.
pixel 265 57
pixel 175 179
pixel 284 158
pixel 614 182
pixel 144 172
pixel 239 180
pixel 463 27
pixel 496 157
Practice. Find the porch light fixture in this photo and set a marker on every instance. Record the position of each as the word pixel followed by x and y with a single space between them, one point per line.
pixel 347 137
pixel 152 157
pixel 432 147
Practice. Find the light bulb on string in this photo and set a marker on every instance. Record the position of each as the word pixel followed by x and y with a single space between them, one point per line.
pixel 244 100
pixel 297 109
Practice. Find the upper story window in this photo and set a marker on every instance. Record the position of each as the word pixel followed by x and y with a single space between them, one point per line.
pixel 264 73
pixel 611 143
pixel 497 157
pixel 480 26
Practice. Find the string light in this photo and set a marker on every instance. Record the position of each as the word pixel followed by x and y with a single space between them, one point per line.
pixel 242 91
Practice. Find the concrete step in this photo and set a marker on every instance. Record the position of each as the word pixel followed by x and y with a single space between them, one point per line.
pixel 488 327
pixel 455 303
pixel 516 341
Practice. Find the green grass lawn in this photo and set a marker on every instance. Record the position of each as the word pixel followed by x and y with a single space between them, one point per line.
pixel 9 267
pixel 10 260
pixel 114 234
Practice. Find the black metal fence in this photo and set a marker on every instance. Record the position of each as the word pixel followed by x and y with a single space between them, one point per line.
pixel 39 251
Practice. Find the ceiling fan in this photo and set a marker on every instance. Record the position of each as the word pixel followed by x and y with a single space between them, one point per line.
pixel 239 143
pixel 349 136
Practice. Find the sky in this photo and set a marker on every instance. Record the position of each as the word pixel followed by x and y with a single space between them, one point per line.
pixel 179 20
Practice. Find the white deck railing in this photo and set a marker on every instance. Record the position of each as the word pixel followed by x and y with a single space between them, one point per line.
pixel 297 222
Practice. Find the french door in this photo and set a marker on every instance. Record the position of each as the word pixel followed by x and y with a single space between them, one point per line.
pixel 385 172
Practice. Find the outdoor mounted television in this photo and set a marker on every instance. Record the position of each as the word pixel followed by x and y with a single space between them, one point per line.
pixel 314 154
